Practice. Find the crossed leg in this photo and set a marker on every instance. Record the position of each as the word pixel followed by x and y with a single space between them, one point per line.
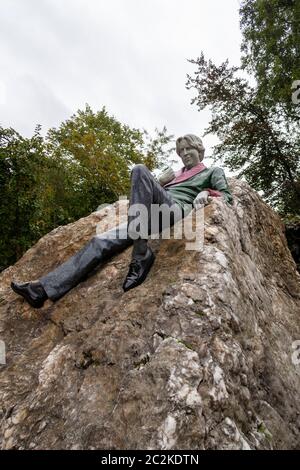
pixel 145 190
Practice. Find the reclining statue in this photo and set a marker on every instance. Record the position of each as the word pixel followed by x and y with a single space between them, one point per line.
pixel 190 187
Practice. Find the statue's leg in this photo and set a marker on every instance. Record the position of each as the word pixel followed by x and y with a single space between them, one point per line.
pixel 151 210
pixel 146 191
pixel 100 248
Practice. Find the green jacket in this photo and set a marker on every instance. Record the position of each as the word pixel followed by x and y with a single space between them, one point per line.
pixel 212 180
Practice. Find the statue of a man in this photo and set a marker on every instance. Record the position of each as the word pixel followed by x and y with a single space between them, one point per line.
pixel 190 187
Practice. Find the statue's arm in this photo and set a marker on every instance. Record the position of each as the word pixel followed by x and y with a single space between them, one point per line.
pixel 219 185
pixel 166 176
pixel 218 188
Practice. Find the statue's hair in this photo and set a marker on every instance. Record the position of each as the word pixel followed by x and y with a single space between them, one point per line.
pixel 194 141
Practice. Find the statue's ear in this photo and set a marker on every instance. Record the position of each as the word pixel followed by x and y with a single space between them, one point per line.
pixel 201 155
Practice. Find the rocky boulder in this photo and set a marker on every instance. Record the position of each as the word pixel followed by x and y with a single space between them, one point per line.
pixel 203 355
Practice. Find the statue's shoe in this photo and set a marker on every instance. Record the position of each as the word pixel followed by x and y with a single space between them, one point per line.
pixel 138 270
pixel 33 292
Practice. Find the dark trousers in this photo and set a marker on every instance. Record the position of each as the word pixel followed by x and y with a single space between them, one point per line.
pixel 144 190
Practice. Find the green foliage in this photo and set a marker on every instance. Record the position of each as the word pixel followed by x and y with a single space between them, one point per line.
pixel 98 151
pixel 271 48
pixel 21 169
pixel 68 174
pixel 254 139
pixel 101 151
pixel 258 126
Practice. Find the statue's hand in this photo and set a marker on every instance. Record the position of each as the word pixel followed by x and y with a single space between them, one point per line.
pixel 166 176
pixel 202 199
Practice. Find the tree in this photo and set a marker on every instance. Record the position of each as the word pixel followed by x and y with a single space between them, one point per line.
pixel 259 141
pixel 21 169
pixel 104 151
pixel 258 126
pixel 271 48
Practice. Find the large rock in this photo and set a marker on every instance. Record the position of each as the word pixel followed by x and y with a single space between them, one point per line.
pixel 201 356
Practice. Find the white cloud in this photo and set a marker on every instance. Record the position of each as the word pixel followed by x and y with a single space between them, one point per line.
pixel 130 56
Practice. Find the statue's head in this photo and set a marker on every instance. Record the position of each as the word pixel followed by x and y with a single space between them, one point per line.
pixel 190 149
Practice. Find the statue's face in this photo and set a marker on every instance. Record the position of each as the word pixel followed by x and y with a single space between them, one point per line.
pixel 189 155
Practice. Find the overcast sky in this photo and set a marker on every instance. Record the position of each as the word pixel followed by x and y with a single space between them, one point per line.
pixel 128 55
